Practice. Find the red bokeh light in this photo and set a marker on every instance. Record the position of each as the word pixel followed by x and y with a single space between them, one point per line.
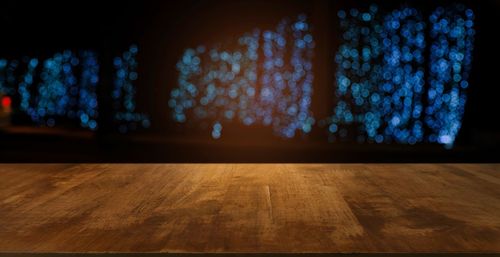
pixel 6 101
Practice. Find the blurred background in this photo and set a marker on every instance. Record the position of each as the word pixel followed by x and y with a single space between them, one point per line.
pixel 249 81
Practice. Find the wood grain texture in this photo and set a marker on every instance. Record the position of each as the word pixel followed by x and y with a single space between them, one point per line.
pixel 250 208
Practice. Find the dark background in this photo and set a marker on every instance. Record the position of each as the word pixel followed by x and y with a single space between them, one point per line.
pixel 164 29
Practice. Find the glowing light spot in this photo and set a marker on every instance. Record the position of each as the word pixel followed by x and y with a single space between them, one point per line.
pixel 6 102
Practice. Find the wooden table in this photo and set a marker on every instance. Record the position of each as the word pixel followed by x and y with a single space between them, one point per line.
pixel 249 208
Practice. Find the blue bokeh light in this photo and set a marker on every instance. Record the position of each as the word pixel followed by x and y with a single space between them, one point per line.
pixel 124 92
pixel 268 84
pixel 452 37
pixel 64 86
pixel 382 78
pixel 50 89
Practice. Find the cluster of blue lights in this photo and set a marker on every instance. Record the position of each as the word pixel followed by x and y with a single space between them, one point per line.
pixel 8 79
pixel 400 77
pixel 267 80
pixel 124 92
pixel 49 88
pixel 65 86
pixel 452 36
pixel 380 79
pixel 25 85
pixel 87 101
pixel 56 90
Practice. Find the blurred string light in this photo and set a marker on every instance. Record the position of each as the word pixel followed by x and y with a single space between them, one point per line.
pixel 221 85
pixel 7 76
pixel 25 84
pixel 124 92
pixel 452 35
pixel 380 76
pixel 65 86
pixel 380 83
pixel 53 98
pixel 87 96
pixel 49 89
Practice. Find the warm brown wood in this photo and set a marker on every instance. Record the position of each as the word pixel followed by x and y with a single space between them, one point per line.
pixel 250 207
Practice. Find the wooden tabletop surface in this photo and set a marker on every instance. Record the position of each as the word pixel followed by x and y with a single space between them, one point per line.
pixel 250 208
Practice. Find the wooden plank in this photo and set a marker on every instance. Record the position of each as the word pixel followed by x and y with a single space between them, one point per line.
pixel 239 208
